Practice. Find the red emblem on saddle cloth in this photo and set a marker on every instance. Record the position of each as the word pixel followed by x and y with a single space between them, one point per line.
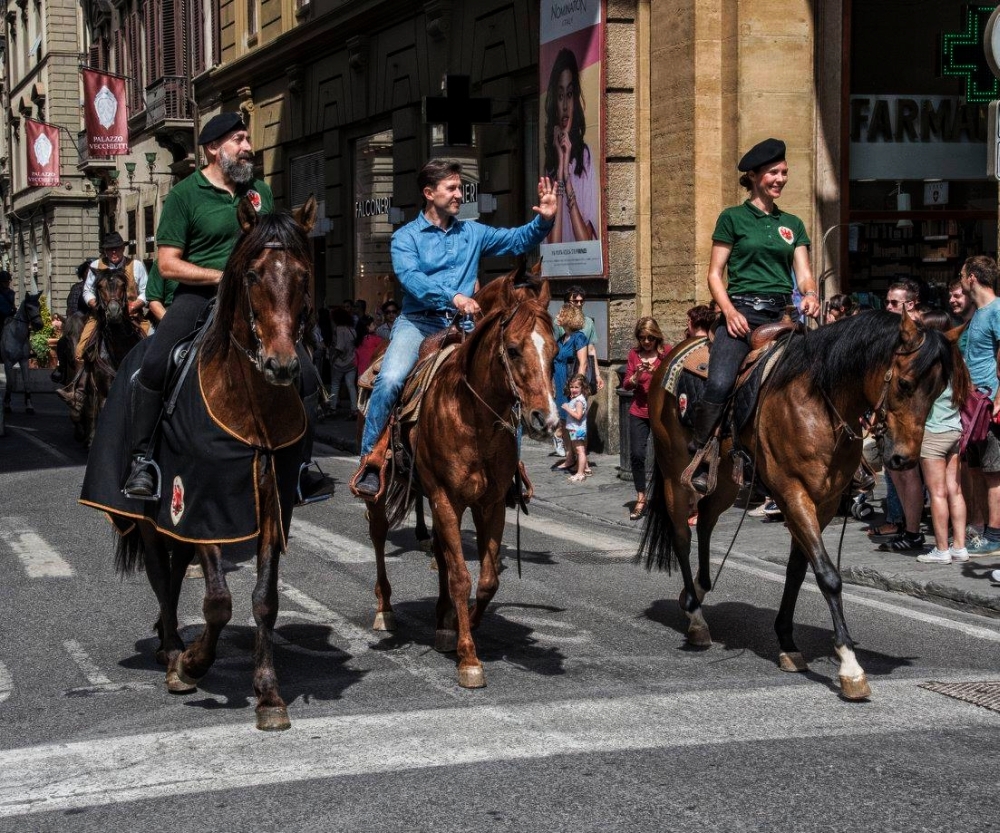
pixel 682 403
pixel 786 234
pixel 177 500
pixel 254 198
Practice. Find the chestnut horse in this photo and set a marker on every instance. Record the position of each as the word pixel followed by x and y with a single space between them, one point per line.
pixel 248 371
pixel 805 445
pixel 465 448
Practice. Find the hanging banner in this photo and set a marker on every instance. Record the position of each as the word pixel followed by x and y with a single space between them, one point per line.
pixel 105 113
pixel 571 54
pixel 43 153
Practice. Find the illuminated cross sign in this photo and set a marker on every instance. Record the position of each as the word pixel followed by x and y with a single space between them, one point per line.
pixel 457 111
pixel 962 56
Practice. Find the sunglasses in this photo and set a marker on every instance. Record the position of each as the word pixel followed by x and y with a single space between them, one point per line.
pixel 647 338
pixel 576 301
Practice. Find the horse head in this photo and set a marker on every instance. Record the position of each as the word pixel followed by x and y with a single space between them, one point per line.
pixel 32 306
pixel 263 300
pixel 516 309
pixel 920 368
pixel 111 290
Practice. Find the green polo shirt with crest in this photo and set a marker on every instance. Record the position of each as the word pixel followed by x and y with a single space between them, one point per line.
pixel 763 248
pixel 200 219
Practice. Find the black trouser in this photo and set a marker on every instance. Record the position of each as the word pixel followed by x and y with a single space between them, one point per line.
pixel 638 440
pixel 728 353
pixel 179 322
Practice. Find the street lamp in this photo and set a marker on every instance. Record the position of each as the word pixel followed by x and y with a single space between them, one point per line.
pixel 151 162
pixel 130 172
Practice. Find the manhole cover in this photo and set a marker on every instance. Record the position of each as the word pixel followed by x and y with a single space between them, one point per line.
pixel 985 694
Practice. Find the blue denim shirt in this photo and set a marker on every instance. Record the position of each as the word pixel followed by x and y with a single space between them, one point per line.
pixel 434 265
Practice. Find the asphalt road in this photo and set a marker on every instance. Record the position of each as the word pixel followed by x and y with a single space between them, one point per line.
pixel 595 715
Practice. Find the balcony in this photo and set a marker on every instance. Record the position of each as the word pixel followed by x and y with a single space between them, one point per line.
pixel 85 162
pixel 167 104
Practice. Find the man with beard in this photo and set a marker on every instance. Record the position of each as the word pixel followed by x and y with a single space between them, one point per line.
pixel 197 232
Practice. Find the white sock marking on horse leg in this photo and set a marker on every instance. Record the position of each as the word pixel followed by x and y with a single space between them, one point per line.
pixel 849 666
pixel 698 619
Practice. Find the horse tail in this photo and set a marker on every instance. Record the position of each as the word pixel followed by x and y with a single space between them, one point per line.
pixel 130 553
pixel 658 531
pixel 399 499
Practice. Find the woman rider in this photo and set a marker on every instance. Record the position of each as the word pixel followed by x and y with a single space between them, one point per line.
pixel 760 246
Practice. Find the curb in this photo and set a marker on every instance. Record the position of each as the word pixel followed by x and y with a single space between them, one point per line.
pixel 932 591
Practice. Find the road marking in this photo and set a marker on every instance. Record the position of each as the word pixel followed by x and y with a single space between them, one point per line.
pixel 6 683
pixel 98 682
pixel 33 551
pixel 332 547
pixel 65 776
pixel 590 540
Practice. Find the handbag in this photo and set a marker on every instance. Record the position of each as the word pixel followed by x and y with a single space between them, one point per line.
pixel 977 414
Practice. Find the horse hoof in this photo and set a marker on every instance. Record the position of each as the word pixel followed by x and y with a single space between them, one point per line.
pixel 162 658
pixel 273 719
pixel 178 684
pixel 445 641
pixel 792 662
pixel 434 565
pixel 385 620
pixel 472 677
pixel 194 571
pixel 699 638
pixel 855 688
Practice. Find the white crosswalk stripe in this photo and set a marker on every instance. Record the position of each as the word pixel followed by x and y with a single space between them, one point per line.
pixel 331 546
pixel 65 776
pixel 6 683
pixel 37 557
pixel 97 681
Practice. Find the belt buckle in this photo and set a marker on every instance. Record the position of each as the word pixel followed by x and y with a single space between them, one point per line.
pixel 760 304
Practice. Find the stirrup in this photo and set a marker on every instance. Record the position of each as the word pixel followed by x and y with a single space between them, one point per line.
pixel 709 455
pixel 151 466
pixel 305 496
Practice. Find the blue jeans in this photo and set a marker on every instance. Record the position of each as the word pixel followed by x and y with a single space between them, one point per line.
pixel 400 357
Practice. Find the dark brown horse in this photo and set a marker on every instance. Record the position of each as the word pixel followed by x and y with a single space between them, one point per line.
pixel 115 334
pixel 248 371
pixel 465 451
pixel 804 441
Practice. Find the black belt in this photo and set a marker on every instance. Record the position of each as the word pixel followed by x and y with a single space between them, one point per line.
pixel 763 301
pixel 433 313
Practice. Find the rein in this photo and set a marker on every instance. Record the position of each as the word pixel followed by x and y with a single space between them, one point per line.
pixel 501 423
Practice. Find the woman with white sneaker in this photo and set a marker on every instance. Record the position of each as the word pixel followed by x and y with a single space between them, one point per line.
pixel 939 460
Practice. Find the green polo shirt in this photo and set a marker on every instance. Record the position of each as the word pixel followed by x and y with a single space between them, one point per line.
pixel 158 289
pixel 763 248
pixel 200 219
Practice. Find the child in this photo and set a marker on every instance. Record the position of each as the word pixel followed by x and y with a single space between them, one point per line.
pixel 577 391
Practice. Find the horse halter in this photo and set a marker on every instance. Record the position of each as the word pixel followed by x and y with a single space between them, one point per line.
pixel 256 357
pixel 515 409
pixel 878 424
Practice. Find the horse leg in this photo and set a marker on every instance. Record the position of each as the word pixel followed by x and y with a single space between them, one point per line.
pixel 28 407
pixel 378 530
pixel 805 522
pixel 790 658
pixel 445 635
pixel 489 532
pixel 423 536
pixel 447 528
pixel 8 372
pixel 272 713
pixel 157 563
pixel 217 608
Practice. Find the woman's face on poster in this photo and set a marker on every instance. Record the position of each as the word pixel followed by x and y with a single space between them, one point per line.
pixel 565 99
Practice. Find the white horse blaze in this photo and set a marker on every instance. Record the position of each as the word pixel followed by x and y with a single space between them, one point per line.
pixel 539 341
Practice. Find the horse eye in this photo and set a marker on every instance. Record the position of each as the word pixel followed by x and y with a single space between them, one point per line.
pixel 252 276
pixel 513 353
pixel 905 387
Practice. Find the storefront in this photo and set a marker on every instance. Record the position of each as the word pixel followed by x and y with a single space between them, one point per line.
pixel 918 199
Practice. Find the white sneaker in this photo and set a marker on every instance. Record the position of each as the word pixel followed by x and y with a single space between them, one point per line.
pixel 757 512
pixel 560 448
pixel 936 556
pixel 959 555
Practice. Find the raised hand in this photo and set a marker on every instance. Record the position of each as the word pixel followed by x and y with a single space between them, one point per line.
pixel 547 200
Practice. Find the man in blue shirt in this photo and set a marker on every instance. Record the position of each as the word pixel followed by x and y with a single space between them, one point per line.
pixel 436 259
pixel 982 341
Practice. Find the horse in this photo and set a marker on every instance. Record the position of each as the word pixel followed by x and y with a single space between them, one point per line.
pixel 114 336
pixel 15 347
pixel 247 371
pixel 804 444
pixel 465 453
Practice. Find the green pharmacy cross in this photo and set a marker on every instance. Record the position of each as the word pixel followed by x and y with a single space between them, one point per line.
pixel 962 56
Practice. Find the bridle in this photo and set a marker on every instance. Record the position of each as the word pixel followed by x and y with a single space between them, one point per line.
pixel 256 356
pixel 878 424
pixel 517 406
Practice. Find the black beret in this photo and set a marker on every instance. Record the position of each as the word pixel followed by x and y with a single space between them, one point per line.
pixel 112 240
pixel 220 125
pixel 763 153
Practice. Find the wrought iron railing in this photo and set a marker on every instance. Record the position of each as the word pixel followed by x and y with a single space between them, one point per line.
pixel 167 100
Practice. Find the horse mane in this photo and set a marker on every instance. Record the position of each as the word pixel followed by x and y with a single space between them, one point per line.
pixel 279 227
pixel 853 347
pixel 519 309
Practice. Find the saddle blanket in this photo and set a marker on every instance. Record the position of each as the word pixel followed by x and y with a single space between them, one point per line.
pixel 208 476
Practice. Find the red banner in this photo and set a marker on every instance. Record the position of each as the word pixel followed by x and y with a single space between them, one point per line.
pixel 43 153
pixel 105 113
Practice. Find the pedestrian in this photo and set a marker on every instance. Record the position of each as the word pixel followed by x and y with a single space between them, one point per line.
pixel 760 247
pixel 436 260
pixel 390 312
pixel 939 460
pixel 576 392
pixel 700 319
pixel 982 340
pixel 577 297
pixel 570 360
pixel 323 338
pixel 343 370
pixel 839 306
pixel 74 300
pixel 367 343
pixel 643 359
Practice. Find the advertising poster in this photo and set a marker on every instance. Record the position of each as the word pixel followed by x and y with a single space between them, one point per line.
pixel 105 114
pixel 571 130
pixel 43 153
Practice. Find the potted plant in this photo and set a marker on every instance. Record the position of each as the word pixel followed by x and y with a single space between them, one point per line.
pixel 40 341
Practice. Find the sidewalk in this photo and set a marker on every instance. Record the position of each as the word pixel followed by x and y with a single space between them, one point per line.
pixel 606 498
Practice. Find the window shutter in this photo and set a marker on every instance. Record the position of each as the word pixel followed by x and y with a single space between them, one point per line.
pixel 197 29
pixel 216 34
pixel 174 37
pixel 119 52
pixel 136 71
pixel 95 55
pixel 154 55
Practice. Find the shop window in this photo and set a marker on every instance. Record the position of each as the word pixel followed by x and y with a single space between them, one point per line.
pixel 373 198
pixel 468 157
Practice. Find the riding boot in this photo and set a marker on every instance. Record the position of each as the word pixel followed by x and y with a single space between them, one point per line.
pixel 706 417
pixel 314 485
pixel 368 481
pixel 521 490
pixel 146 406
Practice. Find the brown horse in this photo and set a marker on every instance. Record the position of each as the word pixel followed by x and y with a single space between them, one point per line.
pixel 115 334
pixel 248 371
pixel 805 445
pixel 465 448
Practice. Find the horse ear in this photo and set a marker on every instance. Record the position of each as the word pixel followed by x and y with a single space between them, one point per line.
pixel 246 215
pixel 305 216
pixel 908 330
pixel 955 333
pixel 544 293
